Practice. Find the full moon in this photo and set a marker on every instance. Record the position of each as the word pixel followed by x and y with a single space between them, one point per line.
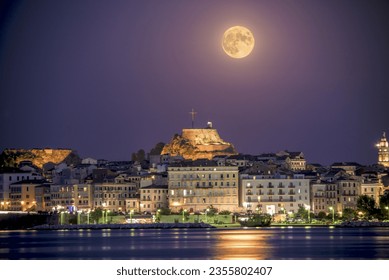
pixel 238 42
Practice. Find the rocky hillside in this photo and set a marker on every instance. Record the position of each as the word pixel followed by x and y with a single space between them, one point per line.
pixel 39 157
pixel 198 143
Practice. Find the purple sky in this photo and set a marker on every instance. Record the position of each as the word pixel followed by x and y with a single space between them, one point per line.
pixel 107 78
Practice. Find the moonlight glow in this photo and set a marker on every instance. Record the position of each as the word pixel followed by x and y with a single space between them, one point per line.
pixel 238 42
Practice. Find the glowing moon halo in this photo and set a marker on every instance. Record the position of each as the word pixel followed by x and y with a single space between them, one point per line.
pixel 238 41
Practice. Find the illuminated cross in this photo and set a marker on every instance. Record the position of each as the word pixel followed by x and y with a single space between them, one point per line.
pixel 193 113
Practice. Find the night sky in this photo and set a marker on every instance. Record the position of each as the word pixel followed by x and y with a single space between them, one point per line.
pixel 107 78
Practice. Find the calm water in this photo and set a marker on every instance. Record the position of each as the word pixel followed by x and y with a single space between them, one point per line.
pixel 270 243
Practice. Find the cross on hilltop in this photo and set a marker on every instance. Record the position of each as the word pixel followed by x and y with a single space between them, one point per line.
pixel 193 113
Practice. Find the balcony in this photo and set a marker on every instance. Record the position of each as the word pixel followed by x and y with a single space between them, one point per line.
pixel 291 192
pixel 204 187
pixel 270 193
pixel 292 186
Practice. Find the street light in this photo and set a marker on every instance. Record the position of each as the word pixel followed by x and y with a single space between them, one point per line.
pixel 257 209
pixel 206 215
pixel 333 214
pixel 78 217
pixel 131 213
pixel 387 208
pixel 106 216
pixel 309 213
pixel 87 216
pixel 61 217
pixel 183 215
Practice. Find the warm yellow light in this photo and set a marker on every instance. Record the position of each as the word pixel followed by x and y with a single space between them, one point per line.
pixel 238 42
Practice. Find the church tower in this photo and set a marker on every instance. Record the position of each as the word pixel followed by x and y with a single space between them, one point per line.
pixel 383 151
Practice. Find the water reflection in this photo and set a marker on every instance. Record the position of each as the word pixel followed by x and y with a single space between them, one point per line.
pixel 242 245
pixel 220 244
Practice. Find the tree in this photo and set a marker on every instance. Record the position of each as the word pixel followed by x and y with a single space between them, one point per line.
pixel 96 215
pixel 157 149
pixel 211 211
pixel 349 214
pixel 165 211
pixel 322 215
pixel 302 213
pixel 384 203
pixel 366 204
pixel 257 220
pixel 139 156
pixel 225 212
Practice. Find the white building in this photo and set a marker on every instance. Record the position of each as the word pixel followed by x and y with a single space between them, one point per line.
pixel 273 195
pixel 9 177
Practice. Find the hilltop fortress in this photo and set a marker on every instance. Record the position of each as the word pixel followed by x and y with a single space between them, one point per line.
pixel 196 143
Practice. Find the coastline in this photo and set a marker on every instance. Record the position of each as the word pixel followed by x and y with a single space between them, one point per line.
pixel 122 226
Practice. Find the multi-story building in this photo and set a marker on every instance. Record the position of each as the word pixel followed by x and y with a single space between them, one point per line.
pixel 349 191
pixel 372 184
pixel 112 196
pixel 274 195
pixel 43 198
pixel 10 176
pixel 153 197
pixel 72 197
pixel 197 185
pixel 319 199
pixel 22 195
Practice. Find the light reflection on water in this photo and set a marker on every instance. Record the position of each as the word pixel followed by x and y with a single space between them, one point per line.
pixel 242 245
pixel 223 244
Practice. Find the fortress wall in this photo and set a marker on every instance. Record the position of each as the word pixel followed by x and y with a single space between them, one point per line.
pixel 201 136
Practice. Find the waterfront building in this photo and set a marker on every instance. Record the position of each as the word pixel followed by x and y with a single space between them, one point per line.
pixel 349 191
pixel 383 151
pixel 22 195
pixel 153 197
pixel 323 196
pixel 372 186
pixel 9 176
pixel 72 197
pixel 274 195
pixel 197 185
pixel 43 198
pixel 113 195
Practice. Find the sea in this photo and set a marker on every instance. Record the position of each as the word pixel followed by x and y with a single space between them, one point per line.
pixel 273 243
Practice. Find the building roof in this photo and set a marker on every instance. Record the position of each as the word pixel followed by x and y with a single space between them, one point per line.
pixel 31 182
pixel 11 170
pixel 346 164
pixel 165 187
pixel 196 163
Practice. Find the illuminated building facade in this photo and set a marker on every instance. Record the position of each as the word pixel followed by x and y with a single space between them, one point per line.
pixel 9 177
pixel 72 197
pixel 274 195
pixel 197 185
pixel 22 195
pixel 113 196
pixel 383 151
pixel 153 198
